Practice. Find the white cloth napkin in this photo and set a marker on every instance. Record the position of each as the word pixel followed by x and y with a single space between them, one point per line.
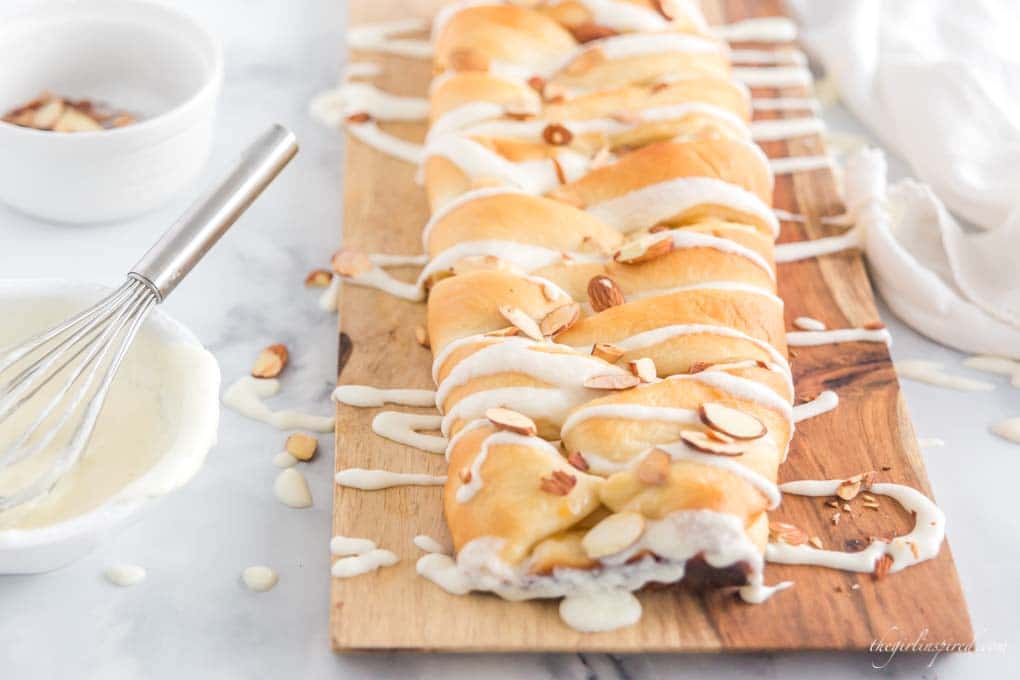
pixel 938 81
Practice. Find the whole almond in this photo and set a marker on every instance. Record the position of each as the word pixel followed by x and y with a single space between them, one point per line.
pixel 560 319
pixel 512 421
pixel 270 362
pixel 612 381
pixel 302 446
pixel 607 352
pixel 520 319
pixel 603 293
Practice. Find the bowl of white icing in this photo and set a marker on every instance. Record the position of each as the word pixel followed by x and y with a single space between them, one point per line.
pixel 159 422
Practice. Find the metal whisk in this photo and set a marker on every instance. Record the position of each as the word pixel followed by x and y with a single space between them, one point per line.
pixel 56 382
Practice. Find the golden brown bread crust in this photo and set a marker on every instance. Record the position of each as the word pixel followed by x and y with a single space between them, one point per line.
pixel 467 87
pixel 725 93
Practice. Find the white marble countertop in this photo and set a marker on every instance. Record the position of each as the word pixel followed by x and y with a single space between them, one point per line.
pixel 193 618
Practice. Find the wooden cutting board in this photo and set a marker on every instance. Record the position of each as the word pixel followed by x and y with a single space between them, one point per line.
pixel 870 430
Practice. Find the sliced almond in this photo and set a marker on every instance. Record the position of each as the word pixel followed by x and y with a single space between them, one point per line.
pixel 48 114
pixel 507 332
pixel 873 326
pixel 558 483
pixel 421 335
pixel 302 446
pixel 601 158
pixel 612 381
pixel 816 542
pixel 613 535
pixel 603 293
pixel 607 352
pixel 512 421
pixel 350 263
pixel 520 319
pixel 270 362
pixel 561 176
pixel 882 566
pixel 122 120
pixel 536 83
pixel 560 319
pixel 852 486
pixel 577 459
pixel 644 249
pixel 644 369
pixel 702 442
pixel 654 468
pixel 72 120
pixel 731 421
pixel 589 31
pixel 319 278
pixel 358 118
pixel 719 436
pixel 789 534
pixel 557 134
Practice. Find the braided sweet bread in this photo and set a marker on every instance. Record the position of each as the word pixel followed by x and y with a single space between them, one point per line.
pixel 608 344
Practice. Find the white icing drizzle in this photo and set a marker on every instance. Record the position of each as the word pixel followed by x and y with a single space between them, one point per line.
pixel 708 285
pixel 1008 429
pixel 681 451
pixel 786 128
pixel 346 545
pixel 999 365
pixel 742 388
pixel 600 610
pixel 785 104
pixel 332 107
pixel 931 372
pixel 347 567
pixel 792 164
pixel 388 260
pixel 245 396
pixel 775 57
pixel 379 37
pixel 259 578
pixel 640 44
pixel 362 69
pixel 551 404
pixel 756 592
pixel 374 480
pixel 772 76
pixel 644 207
pixel 929 442
pixel 125 575
pixel 365 396
pixel 806 323
pixel 284 460
pixel 761 29
pixel 812 338
pixel 844 220
pixel 802 250
pixel 823 403
pixel 922 543
pixel 444 572
pixel 329 297
pixel 468 490
pixel 391 145
pixel 291 489
pixel 431 545
pixel 406 428
pixel 462 199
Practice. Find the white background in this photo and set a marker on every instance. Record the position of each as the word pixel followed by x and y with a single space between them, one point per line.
pixel 192 618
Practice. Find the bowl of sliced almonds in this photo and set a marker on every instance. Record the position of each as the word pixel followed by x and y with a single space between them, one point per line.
pixel 108 112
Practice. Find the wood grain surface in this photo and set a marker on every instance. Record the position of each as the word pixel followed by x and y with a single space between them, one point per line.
pixel 394 608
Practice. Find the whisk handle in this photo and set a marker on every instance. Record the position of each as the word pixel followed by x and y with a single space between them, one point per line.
pixel 194 233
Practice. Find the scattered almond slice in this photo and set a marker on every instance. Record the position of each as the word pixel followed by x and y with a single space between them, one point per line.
pixel 507 332
pixel 560 319
pixel 358 118
pixel 72 120
pixel 421 336
pixel 350 263
pixel 835 518
pixel 612 381
pixel 852 486
pixel 319 278
pixel 603 293
pixel 270 362
pixel 654 468
pixel 644 369
pixel 48 114
pixel 873 326
pixel 520 319
pixel 789 534
pixel 700 441
pixel 644 249
pixel 613 535
pixel 505 419
pixel 577 460
pixel 816 542
pixel 559 483
pixel 882 566
pixel 302 446
pixel 607 352
pixel 731 421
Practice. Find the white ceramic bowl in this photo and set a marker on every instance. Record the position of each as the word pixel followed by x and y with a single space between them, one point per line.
pixel 144 58
pixel 168 368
